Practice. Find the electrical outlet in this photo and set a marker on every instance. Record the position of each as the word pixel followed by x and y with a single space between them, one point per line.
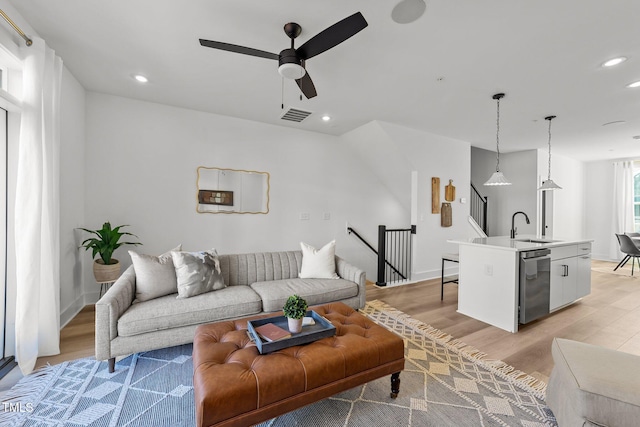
pixel 305 216
pixel 488 269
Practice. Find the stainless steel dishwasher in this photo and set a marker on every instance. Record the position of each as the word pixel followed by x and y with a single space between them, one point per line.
pixel 535 278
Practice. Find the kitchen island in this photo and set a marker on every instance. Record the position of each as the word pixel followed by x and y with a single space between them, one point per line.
pixel 489 281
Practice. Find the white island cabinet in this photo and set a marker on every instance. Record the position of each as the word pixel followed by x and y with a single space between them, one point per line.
pixel 488 280
pixel 570 274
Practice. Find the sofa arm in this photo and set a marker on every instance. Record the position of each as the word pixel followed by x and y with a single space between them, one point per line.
pixel 350 272
pixel 109 309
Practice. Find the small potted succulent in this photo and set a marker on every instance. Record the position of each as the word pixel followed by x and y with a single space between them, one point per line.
pixel 294 309
pixel 106 240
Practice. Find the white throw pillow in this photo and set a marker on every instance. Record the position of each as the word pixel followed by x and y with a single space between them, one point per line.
pixel 197 272
pixel 155 275
pixel 318 263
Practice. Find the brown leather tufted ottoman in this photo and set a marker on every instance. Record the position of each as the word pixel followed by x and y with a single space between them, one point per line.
pixel 235 385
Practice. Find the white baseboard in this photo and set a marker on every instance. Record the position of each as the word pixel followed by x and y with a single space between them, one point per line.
pixel 602 257
pixel 71 311
pixel 75 307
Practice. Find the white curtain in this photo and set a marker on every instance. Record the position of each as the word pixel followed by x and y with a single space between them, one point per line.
pixel 37 208
pixel 623 215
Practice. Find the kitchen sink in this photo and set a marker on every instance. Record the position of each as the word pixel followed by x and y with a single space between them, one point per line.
pixel 536 240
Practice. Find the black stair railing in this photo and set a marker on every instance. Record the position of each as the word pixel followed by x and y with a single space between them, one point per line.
pixel 394 254
pixel 479 208
pixel 394 246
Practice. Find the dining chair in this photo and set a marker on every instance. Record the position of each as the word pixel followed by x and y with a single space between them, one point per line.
pixel 635 237
pixel 631 251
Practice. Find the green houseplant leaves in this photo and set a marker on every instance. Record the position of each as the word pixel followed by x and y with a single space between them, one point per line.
pixel 295 307
pixel 106 241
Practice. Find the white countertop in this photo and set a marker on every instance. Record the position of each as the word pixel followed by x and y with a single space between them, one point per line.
pixel 520 243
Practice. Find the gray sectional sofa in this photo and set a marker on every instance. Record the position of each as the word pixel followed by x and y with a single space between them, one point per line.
pixel 256 283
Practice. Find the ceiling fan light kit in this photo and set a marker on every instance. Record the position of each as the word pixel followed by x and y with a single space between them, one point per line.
pixel 497 178
pixel 291 61
pixel 291 71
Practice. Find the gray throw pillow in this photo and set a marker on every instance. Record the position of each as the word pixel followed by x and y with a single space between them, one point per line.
pixel 155 275
pixel 197 272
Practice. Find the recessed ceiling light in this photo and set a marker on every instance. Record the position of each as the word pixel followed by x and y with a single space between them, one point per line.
pixel 326 118
pixel 636 137
pixel 614 61
pixel 141 78
pixel 634 84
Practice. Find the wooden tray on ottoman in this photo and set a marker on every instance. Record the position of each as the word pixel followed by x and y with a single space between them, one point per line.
pixel 322 329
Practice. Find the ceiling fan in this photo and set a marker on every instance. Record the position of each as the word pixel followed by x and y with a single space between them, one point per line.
pixel 292 62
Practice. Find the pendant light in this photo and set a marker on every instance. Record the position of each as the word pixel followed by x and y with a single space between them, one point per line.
pixel 548 183
pixel 498 177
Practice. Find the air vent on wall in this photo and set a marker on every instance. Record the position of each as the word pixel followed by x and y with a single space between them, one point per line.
pixel 295 115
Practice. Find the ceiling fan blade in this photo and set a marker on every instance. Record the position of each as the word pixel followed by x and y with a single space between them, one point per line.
pixel 332 36
pixel 239 49
pixel 306 86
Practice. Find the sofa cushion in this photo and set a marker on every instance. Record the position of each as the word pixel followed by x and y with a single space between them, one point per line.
pixel 245 269
pixel 155 275
pixel 274 293
pixel 197 272
pixel 170 312
pixel 318 263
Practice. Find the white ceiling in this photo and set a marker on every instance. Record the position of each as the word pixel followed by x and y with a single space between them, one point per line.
pixel 436 74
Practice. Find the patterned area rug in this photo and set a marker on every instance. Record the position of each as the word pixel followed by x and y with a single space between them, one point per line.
pixel 445 383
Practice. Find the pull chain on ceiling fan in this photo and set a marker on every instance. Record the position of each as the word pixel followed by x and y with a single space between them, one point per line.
pixel 292 62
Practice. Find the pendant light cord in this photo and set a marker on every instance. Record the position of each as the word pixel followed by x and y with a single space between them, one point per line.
pixel 549 169
pixel 549 118
pixel 498 136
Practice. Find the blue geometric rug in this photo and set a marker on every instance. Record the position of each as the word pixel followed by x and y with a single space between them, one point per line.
pixel 445 383
pixel 154 388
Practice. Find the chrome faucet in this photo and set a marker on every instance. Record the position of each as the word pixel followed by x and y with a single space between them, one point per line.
pixel 513 218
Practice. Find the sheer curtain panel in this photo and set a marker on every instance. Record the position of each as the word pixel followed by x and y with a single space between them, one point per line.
pixel 37 208
pixel 623 215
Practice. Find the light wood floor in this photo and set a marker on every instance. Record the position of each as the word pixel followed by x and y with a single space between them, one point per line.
pixel 609 316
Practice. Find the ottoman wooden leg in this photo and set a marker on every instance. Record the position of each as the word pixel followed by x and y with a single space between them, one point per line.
pixel 395 385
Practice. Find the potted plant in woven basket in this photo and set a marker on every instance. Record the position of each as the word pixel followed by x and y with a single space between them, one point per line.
pixel 106 240
pixel 294 309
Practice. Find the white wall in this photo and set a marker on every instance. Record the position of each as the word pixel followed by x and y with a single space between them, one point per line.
pixel 599 208
pixel 569 203
pixel 393 152
pixel 435 156
pixel 141 161
pixel 521 169
pixel 72 190
pixel 380 152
